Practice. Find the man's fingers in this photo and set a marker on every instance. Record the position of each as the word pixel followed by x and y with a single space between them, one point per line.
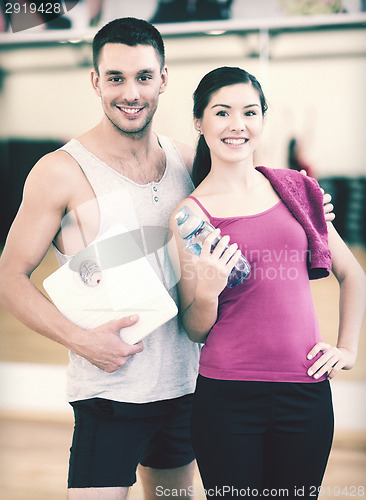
pixel 135 348
pixel 328 208
pixel 326 198
pixel 125 321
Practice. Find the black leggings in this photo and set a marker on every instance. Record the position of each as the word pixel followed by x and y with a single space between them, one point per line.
pixel 262 439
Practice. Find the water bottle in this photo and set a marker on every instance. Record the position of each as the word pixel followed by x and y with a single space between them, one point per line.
pixel 194 231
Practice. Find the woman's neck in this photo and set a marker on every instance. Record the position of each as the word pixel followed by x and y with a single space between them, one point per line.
pixel 232 177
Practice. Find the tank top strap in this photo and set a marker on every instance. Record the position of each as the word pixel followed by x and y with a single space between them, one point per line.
pixel 201 206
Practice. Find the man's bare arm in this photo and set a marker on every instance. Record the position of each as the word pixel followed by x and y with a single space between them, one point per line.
pixel 45 199
pixel 328 207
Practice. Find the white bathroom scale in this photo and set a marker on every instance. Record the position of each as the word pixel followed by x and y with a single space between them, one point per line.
pixel 110 279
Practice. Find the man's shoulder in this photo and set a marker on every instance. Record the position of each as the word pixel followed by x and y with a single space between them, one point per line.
pixel 55 163
pixel 55 171
pixel 187 153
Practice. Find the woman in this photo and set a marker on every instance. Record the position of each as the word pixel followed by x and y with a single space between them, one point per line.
pixel 262 421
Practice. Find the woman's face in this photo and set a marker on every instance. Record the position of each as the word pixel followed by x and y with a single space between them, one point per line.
pixel 232 123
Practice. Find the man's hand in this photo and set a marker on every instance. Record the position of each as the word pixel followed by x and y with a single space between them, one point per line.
pixel 103 347
pixel 328 207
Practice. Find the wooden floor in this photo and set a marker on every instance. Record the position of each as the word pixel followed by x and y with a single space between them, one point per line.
pixel 34 448
pixel 34 461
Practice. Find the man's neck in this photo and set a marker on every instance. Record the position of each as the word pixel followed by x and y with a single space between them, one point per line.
pixel 138 157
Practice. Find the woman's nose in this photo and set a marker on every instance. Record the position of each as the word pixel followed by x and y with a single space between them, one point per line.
pixel 238 123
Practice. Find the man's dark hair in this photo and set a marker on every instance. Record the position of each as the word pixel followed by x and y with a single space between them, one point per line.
pixel 129 31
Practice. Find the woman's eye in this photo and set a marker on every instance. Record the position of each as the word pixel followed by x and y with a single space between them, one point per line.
pixel 221 113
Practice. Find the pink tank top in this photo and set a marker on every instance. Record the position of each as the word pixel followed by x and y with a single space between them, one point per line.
pixel 267 324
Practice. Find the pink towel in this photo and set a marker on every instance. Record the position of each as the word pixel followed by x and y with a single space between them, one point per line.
pixel 304 199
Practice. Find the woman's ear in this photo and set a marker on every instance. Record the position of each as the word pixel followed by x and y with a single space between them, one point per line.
pixel 197 124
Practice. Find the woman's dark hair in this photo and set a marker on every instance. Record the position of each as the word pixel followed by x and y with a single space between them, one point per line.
pixel 129 31
pixel 211 83
pixel 293 160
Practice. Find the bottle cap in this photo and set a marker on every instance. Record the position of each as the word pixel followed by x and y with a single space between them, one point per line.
pixel 187 221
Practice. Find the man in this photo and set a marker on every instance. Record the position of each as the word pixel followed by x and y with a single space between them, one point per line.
pixel 131 403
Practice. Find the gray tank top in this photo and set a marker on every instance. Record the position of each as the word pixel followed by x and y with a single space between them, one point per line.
pixel 167 367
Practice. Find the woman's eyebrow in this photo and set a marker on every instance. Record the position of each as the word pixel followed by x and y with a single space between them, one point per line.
pixel 227 106
pixel 222 105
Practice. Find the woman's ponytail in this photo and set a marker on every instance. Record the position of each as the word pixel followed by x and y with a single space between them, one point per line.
pixel 202 162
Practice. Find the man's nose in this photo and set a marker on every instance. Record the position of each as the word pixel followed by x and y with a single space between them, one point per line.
pixel 131 92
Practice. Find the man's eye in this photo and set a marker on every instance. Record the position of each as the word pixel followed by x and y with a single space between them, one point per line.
pixel 145 78
pixel 116 79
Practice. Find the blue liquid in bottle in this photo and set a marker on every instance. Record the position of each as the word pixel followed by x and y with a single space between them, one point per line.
pixel 194 231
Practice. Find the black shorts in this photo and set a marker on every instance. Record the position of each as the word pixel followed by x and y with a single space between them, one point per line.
pixel 112 438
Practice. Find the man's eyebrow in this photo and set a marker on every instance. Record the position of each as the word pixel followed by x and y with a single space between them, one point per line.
pixel 113 72
pixel 118 72
pixel 148 70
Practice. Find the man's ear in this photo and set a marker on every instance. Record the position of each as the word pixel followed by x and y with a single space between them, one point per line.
pixel 164 79
pixel 95 79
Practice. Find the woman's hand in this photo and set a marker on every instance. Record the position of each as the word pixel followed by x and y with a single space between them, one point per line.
pixel 332 361
pixel 214 268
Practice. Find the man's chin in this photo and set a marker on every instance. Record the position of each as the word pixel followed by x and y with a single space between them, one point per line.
pixel 135 131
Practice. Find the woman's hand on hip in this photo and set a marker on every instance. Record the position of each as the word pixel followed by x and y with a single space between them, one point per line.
pixel 331 361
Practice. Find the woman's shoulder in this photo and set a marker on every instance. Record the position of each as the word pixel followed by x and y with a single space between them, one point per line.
pixel 287 176
pixel 280 172
pixel 194 203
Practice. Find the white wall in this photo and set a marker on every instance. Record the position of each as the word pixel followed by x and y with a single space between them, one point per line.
pixel 314 81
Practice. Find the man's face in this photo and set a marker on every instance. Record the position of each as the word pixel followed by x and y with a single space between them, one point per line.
pixel 129 83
